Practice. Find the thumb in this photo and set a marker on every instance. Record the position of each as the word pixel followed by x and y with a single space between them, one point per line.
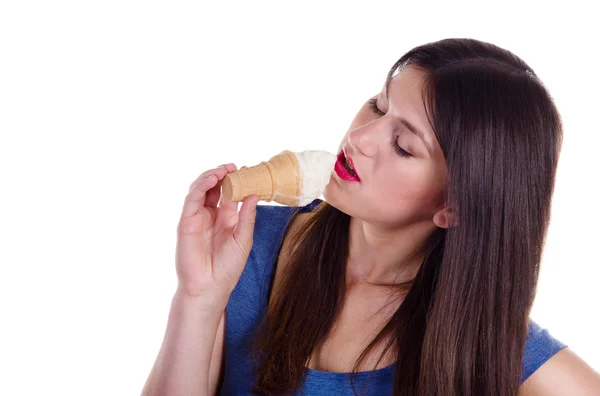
pixel 244 229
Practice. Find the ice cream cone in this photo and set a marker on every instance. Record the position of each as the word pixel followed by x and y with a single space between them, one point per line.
pixel 279 179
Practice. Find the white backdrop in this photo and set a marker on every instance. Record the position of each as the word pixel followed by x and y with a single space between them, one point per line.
pixel 109 110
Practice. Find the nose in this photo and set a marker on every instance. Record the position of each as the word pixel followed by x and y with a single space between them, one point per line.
pixel 364 140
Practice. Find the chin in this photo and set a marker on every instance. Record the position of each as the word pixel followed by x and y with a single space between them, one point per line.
pixel 338 200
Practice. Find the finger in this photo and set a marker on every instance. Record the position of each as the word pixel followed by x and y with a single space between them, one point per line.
pixel 213 195
pixel 225 203
pixel 227 215
pixel 204 175
pixel 244 229
pixel 231 167
pixel 196 198
pixel 228 205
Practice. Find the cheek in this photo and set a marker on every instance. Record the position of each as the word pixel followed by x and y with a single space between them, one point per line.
pixel 414 184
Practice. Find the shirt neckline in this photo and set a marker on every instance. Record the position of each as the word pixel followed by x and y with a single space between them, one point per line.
pixel 360 374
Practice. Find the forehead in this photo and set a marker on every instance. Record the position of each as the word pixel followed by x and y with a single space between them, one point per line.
pixel 404 88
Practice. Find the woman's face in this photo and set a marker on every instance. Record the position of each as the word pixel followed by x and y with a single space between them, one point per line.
pixel 400 176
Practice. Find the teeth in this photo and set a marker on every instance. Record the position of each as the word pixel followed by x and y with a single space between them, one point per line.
pixel 349 168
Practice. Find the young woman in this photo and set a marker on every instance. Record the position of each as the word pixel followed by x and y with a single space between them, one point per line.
pixel 417 273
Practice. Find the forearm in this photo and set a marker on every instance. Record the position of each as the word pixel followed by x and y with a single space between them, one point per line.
pixel 182 365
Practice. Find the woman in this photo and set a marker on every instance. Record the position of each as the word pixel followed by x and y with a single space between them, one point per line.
pixel 418 271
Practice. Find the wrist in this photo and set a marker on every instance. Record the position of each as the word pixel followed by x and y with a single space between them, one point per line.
pixel 205 300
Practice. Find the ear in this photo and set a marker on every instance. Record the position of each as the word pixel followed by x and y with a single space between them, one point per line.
pixel 445 218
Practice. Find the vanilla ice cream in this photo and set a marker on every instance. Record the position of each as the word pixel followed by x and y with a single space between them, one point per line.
pixel 315 171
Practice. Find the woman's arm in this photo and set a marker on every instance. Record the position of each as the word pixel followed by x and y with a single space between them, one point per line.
pixel 564 374
pixel 216 360
pixel 184 361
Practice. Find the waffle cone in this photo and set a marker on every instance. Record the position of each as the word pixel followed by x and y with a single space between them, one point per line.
pixel 278 180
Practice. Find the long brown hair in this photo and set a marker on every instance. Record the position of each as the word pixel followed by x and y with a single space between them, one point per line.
pixel 462 325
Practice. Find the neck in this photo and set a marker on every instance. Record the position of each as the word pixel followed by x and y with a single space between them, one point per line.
pixel 385 256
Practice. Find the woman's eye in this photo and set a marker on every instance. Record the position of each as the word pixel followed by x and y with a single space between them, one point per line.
pixel 374 108
pixel 400 151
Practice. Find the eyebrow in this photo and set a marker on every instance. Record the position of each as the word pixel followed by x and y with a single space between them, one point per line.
pixel 410 126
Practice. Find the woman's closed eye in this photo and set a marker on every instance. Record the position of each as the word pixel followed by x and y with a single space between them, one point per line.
pixel 399 150
pixel 374 108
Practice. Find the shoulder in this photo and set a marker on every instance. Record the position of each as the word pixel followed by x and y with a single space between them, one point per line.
pixel 540 346
pixel 275 219
pixel 564 373
pixel 270 222
pixel 277 215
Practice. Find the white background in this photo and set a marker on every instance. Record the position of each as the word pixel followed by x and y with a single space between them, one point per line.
pixel 109 110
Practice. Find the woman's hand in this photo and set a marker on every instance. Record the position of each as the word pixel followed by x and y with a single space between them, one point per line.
pixel 213 239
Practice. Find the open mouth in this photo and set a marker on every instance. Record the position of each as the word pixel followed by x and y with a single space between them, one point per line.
pixel 344 168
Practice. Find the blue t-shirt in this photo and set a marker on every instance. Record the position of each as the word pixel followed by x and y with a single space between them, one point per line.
pixel 248 304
